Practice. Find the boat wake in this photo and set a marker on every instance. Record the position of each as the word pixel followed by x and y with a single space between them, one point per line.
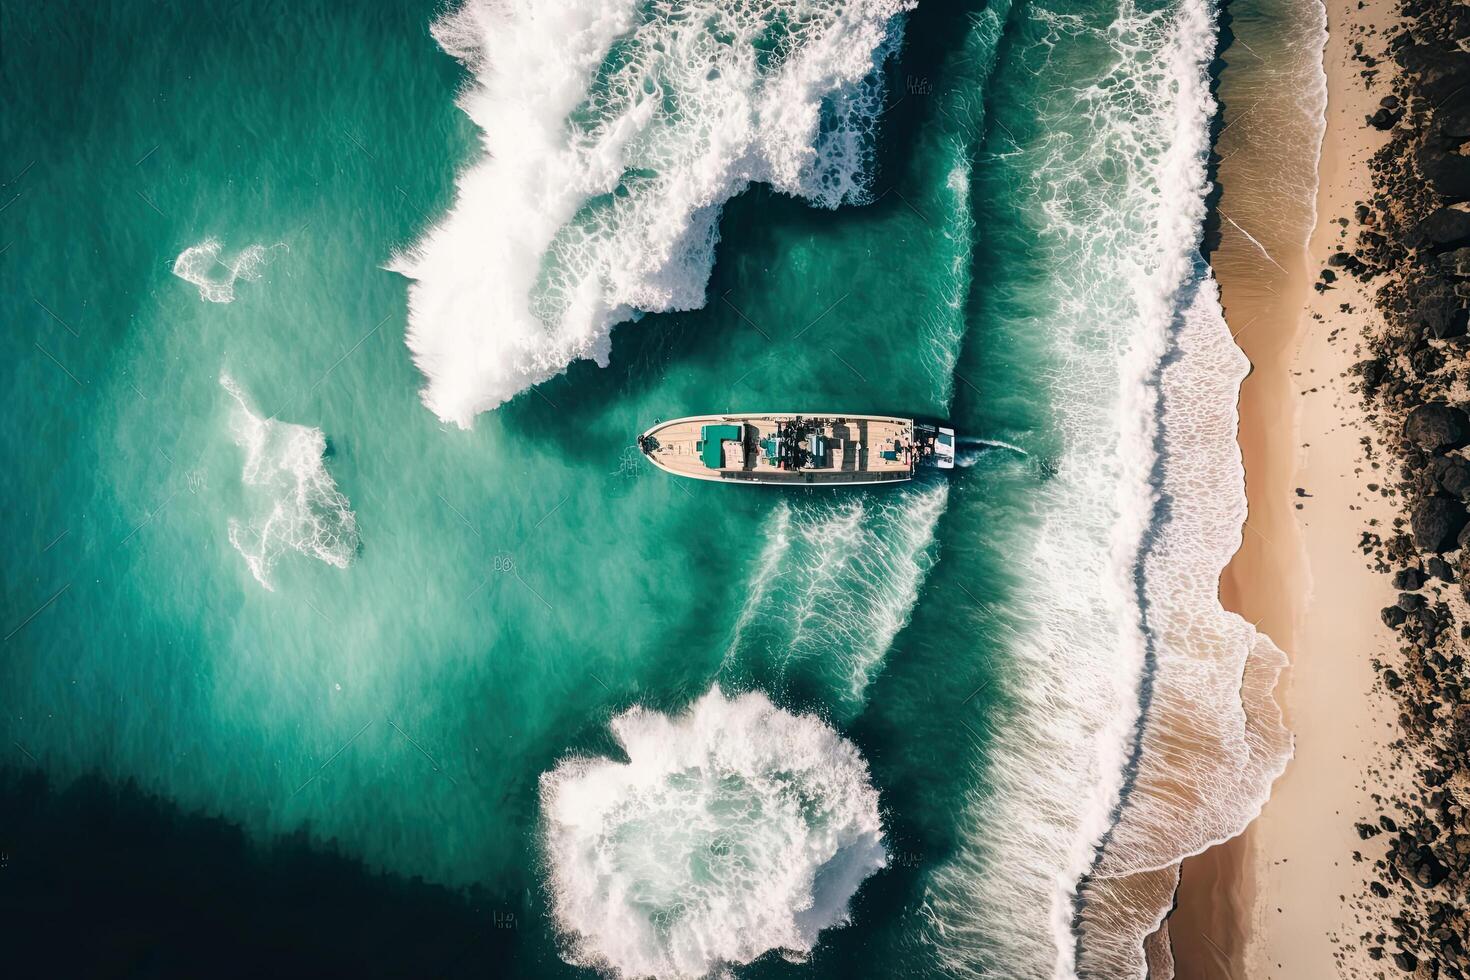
pixel 833 585
pixel 614 132
pixel 732 830
pixel 297 504
pixel 969 450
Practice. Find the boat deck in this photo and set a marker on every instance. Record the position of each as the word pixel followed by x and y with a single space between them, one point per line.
pixel 853 449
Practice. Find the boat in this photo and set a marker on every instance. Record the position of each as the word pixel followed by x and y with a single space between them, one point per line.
pixel 797 449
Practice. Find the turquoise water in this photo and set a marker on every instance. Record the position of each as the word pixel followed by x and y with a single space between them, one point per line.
pixel 510 588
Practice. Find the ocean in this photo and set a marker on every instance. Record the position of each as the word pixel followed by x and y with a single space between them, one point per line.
pixel 334 570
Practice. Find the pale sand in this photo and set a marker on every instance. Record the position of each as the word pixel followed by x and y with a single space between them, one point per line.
pixel 1276 902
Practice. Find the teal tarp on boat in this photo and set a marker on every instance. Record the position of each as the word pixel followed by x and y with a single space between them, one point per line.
pixel 711 441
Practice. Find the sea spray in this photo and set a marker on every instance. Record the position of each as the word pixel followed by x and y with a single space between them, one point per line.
pixel 613 134
pixel 297 506
pixel 203 266
pixel 733 829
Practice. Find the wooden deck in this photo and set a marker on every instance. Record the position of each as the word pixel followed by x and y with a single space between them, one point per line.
pixel 854 455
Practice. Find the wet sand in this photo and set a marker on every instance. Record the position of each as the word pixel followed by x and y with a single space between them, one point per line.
pixel 1276 901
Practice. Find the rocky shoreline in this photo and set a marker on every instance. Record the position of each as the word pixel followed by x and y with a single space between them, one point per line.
pixel 1413 251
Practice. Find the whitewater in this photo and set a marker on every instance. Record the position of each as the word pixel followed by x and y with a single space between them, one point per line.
pixel 1130 670
pixel 295 505
pixel 733 829
pixel 601 186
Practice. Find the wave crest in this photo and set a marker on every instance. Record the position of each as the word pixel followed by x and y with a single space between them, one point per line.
pixel 613 134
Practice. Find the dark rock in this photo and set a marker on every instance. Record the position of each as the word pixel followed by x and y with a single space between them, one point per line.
pixel 1446 172
pixel 1435 522
pixel 1436 425
pixel 1450 474
pixel 1366 830
pixel 1426 360
pixel 1447 226
pixel 1428 870
pixel 1406 961
pixel 1378 889
pixel 1440 569
pixel 1409 601
pixel 1452 120
pixel 1441 73
pixel 1456 263
pixel 1393 617
pixel 1442 312
pixel 1408 578
pixel 1384 119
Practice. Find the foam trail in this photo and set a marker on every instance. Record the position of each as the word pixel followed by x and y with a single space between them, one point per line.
pixel 297 504
pixel 732 830
pixel 971 449
pixel 1213 740
pixel 835 583
pixel 613 133
pixel 997 443
pixel 197 264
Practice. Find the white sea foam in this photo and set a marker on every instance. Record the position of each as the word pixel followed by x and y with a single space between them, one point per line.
pixel 835 582
pixel 297 506
pixel 1119 176
pixel 613 134
pixel 732 830
pixel 215 277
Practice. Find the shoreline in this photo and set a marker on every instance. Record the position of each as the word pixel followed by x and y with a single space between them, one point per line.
pixel 1265 904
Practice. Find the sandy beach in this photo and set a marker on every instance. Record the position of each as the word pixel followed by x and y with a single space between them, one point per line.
pixel 1278 900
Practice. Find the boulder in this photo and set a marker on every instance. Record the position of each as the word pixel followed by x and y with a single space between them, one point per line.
pixel 1435 425
pixel 1408 578
pixel 1406 961
pixel 1436 522
pixel 1442 312
pixel 1450 474
pixel 1384 119
pixel 1446 226
pixel 1440 569
pixel 1456 262
pixel 1447 172
pixel 1409 601
pixel 1393 617
pixel 1451 120
pixel 1428 870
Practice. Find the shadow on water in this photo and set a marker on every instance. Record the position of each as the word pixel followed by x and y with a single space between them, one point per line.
pixel 102 879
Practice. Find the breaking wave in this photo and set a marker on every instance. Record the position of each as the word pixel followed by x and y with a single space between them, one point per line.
pixel 614 132
pixel 734 829
pixel 297 505
pixel 198 264
pixel 1143 720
